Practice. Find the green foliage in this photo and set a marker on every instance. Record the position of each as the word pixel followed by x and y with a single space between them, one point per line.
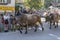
pixel 37 4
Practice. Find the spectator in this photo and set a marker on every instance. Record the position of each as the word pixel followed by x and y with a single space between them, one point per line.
pixel 51 9
pixel 6 22
pixel 2 22
pixel 13 22
pixel 18 13
pixel 24 10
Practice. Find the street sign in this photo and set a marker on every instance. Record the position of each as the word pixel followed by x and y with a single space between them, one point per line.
pixel 7 8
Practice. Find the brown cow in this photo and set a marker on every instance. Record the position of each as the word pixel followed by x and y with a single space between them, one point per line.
pixel 27 20
pixel 53 18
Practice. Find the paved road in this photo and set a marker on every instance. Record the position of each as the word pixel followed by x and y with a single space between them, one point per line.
pixel 47 34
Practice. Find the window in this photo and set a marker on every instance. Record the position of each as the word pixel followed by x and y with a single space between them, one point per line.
pixel 5 1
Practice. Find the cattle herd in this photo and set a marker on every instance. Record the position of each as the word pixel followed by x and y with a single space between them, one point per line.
pixel 33 20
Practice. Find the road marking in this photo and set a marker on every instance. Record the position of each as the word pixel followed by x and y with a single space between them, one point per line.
pixel 54 36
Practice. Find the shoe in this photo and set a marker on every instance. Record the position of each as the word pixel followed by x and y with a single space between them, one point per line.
pixel 6 31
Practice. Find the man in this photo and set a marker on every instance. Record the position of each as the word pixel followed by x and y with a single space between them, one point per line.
pixel 51 9
pixel 24 10
pixel 19 11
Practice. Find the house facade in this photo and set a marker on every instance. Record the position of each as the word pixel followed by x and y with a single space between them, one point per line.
pixel 7 5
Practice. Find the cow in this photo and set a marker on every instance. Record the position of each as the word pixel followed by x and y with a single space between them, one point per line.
pixel 52 18
pixel 27 20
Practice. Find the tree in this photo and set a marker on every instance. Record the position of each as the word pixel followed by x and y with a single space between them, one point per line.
pixel 48 2
pixel 36 4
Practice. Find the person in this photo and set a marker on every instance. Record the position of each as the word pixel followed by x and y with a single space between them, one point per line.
pixel 1 22
pixel 6 22
pixel 19 11
pixel 51 10
pixel 13 22
pixel 24 11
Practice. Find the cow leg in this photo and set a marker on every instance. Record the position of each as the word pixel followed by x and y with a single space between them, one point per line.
pixel 57 20
pixel 36 28
pixel 22 27
pixel 50 25
pixel 20 30
pixel 54 24
pixel 42 26
pixel 57 24
pixel 26 29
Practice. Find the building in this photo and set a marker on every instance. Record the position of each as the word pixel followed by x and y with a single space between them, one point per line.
pixel 7 5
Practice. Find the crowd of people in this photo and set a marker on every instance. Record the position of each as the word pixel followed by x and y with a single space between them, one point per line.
pixel 6 21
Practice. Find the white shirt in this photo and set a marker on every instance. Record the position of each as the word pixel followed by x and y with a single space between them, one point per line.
pixel 6 17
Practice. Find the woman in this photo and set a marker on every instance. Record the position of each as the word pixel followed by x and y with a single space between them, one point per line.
pixel 6 22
